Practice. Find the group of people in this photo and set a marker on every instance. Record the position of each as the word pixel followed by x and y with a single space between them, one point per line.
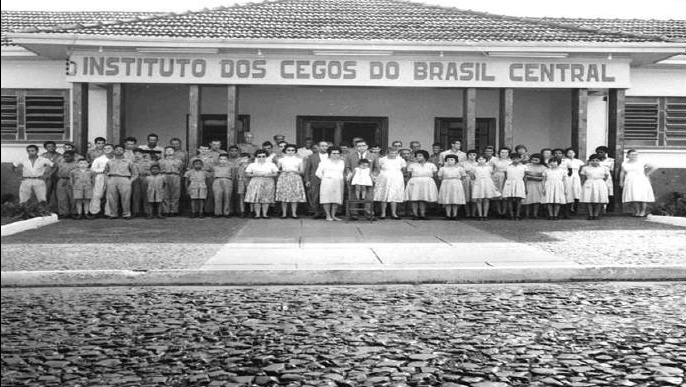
pixel 133 180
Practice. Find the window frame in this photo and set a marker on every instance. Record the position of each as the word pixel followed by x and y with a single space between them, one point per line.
pixel 21 132
pixel 662 139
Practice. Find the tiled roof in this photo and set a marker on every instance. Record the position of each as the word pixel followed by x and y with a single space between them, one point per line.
pixel 21 20
pixel 380 20
pixel 671 29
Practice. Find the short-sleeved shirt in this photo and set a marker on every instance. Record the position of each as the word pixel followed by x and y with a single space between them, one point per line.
pixel 183 156
pixel 261 168
pixel 81 179
pixel 290 164
pixel 143 167
pixel 64 168
pixel 94 153
pixel 171 166
pixel 54 157
pixel 37 168
pixel 419 170
pixel 248 148
pixel 224 171
pixel 120 167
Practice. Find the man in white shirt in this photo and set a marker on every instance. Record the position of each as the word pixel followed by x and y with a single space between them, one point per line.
pixel 455 147
pixel 34 172
pixel 98 168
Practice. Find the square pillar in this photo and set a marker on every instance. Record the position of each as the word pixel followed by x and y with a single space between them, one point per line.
pixel 193 133
pixel 469 117
pixel 615 137
pixel 115 113
pixel 79 108
pixel 580 122
pixel 232 115
pixel 506 118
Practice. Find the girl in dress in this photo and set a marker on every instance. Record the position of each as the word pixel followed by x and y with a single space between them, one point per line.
pixel 546 154
pixel 330 171
pixel 260 190
pixel 361 180
pixel 609 163
pixel 573 182
pixel 196 187
pixel 390 184
pixel 514 189
pixel 533 177
pixel 289 186
pixel 489 152
pixel 451 194
pixel 467 183
pixel 499 166
pixel 421 188
pixel 483 189
pixel 594 191
pixel 554 186
pixel 635 179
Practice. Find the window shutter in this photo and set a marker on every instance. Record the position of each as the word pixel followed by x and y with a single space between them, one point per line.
pixel 675 121
pixel 45 117
pixel 641 121
pixel 10 117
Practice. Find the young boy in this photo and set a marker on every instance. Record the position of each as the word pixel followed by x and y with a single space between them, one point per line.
pixel 205 156
pixel 171 168
pixel 63 189
pixel 222 185
pixel 156 191
pixel 81 181
pixel 196 187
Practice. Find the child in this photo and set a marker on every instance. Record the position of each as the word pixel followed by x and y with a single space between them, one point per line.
pixel 483 189
pixel 468 165
pixel 523 153
pixel 609 163
pixel 205 155
pixel 594 191
pixel 196 187
pixel 82 180
pixel 155 185
pixel 421 188
pixel 573 182
pixel 289 186
pixel 242 182
pixel 63 190
pixel 222 185
pixel 260 190
pixel 514 189
pixel 170 167
pixel 546 154
pixel 361 180
pixel 554 186
pixel 533 177
pixel 499 166
pixel 451 194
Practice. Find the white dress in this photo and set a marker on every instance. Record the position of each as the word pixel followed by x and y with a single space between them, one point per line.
pixel 330 172
pixel 484 187
pixel 514 183
pixel 595 189
pixel 573 182
pixel 421 186
pixel 452 191
pixel 609 163
pixel 362 177
pixel 637 187
pixel 390 184
pixel 554 185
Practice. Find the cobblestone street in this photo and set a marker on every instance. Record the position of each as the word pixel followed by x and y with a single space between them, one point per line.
pixel 590 334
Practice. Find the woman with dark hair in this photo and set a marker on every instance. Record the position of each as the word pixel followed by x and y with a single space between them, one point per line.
pixel 468 183
pixel 260 190
pixel 573 182
pixel 533 177
pixel 635 179
pixel 421 188
pixel 289 186
pixel 500 165
pixel 390 184
pixel 331 173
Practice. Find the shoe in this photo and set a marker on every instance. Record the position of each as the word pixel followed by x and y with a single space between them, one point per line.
pixel 149 217
pixel 512 218
pixel 110 217
pixel 382 217
pixel 201 216
pixel 257 217
pixel 484 218
pixel 589 217
pixel 396 217
pixel 227 216
pixel 283 217
pixel 126 217
pixel 295 217
pixel 160 216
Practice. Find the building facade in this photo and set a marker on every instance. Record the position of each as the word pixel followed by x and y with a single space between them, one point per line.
pixel 383 70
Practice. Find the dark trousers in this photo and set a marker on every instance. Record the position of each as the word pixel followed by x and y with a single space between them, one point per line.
pixel 313 196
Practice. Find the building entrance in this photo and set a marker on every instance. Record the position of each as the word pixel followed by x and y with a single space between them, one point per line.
pixel 341 130
pixel 214 127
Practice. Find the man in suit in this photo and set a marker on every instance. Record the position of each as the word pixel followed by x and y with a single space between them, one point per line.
pixel 312 182
pixel 361 152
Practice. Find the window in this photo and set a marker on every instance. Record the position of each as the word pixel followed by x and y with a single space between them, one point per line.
pixel 447 129
pixel 35 115
pixel 655 121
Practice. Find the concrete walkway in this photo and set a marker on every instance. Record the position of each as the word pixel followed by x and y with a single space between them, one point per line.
pixel 317 245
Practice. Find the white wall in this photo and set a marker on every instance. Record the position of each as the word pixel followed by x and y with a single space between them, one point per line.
pixel 596 134
pixel 33 74
pixel 658 82
pixel 97 112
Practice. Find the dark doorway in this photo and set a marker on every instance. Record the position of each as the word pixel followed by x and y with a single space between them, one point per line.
pixel 341 130
pixel 213 127
pixel 447 129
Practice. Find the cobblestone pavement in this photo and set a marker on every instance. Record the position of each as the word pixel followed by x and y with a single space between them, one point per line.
pixel 592 334
pixel 610 241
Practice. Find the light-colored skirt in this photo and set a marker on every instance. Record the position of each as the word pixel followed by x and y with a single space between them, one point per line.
pixel 451 192
pixel 260 190
pixel 573 188
pixel 390 187
pixel 484 188
pixel 637 188
pixel 331 190
pixel 514 189
pixel 290 189
pixel 594 191
pixel 421 189
pixel 534 192
pixel 554 192
pixel 499 181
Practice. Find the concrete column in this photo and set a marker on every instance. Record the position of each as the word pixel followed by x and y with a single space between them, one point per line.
pixel 115 113
pixel 506 119
pixel 338 134
pixel 469 117
pixel 615 137
pixel 232 115
pixel 580 121
pixel 79 108
pixel 194 136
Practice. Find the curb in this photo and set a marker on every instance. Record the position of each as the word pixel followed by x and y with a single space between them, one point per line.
pixel 671 220
pixel 446 275
pixel 28 224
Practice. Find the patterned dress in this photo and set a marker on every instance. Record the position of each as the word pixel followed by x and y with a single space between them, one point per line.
pixel 554 185
pixel 390 184
pixel 637 187
pixel 261 188
pixel 595 189
pixel 289 186
pixel 421 186
pixel 514 184
pixel 452 191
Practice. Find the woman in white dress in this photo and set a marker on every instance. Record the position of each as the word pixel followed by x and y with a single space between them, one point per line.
pixel 635 180
pixel 390 184
pixel 573 181
pixel 421 188
pixel 331 174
